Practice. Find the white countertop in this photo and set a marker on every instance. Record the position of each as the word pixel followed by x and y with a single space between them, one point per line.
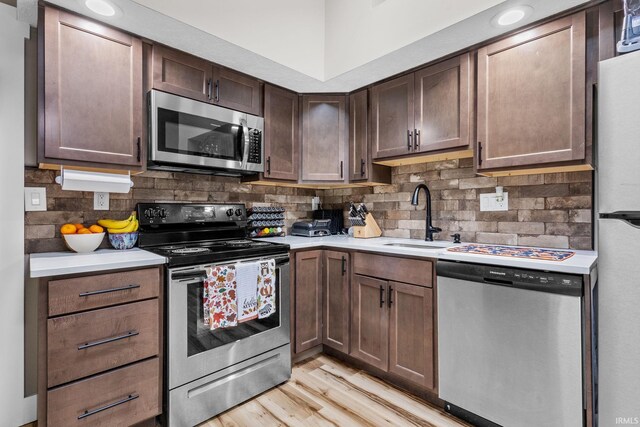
pixel 60 263
pixel 580 263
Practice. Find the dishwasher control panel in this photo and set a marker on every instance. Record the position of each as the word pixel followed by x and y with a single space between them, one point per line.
pixel 543 281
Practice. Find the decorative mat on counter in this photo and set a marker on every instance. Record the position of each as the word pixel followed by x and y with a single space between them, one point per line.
pixel 515 252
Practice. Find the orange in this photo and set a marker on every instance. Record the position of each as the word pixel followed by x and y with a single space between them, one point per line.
pixel 84 231
pixel 96 229
pixel 68 229
pixel 79 226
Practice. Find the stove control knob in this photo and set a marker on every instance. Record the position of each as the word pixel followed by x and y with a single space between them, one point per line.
pixel 238 212
pixel 148 213
pixel 229 212
pixel 163 213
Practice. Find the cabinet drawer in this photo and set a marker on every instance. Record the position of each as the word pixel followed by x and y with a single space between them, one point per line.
pixel 88 343
pixel 414 271
pixel 119 398
pixel 89 292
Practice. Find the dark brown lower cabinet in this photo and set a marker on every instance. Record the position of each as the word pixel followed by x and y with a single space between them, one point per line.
pixel 411 332
pixel 370 321
pixel 335 328
pixel 308 300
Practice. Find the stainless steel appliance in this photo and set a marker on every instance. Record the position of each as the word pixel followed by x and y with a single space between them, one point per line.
pixel 311 228
pixel 208 371
pixel 510 345
pixel 188 135
pixel 618 201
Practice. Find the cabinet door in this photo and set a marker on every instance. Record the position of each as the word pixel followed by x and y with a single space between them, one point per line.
pixel 182 74
pixel 237 91
pixel 370 321
pixel 358 137
pixel 308 294
pixel 324 137
pixel 443 105
pixel 92 91
pixel 411 333
pixel 336 301
pixel 281 143
pixel 392 117
pixel 531 96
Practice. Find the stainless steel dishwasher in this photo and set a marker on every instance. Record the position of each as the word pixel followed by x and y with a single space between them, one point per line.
pixel 510 345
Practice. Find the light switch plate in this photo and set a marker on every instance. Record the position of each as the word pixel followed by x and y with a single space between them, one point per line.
pixel 100 201
pixel 488 202
pixel 35 199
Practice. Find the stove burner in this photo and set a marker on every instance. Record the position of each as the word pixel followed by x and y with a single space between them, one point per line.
pixel 189 251
pixel 170 248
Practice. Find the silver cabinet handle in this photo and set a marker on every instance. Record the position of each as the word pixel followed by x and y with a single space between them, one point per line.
pixel 409 138
pixel 417 140
pixel 88 413
pixel 108 340
pixel 106 291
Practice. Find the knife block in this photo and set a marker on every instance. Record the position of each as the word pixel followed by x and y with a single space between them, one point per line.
pixel 371 229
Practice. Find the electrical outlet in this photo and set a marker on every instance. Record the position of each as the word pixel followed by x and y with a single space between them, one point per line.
pixel 489 202
pixel 315 203
pixel 101 201
pixel 35 199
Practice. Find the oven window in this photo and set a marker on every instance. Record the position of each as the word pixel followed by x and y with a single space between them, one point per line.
pixel 201 339
pixel 198 136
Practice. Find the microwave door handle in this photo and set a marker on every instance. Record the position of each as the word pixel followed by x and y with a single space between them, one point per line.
pixel 245 151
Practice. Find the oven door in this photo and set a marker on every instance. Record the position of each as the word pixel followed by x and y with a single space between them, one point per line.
pixel 200 135
pixel 194 350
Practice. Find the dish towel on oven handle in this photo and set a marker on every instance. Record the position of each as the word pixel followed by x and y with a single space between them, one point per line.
pixel 219 297
pixel 247 290
pixel 267 288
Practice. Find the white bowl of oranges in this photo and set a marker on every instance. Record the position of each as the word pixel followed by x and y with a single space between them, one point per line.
pixel 82 239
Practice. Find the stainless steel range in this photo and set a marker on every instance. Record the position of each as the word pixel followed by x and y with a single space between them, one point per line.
pixel 210 370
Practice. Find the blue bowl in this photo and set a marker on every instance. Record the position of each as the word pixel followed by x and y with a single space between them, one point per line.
pixel 123 240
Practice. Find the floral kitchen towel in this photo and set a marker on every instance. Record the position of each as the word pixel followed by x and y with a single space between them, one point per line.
pixel 266 289
pixel 220 301
pixel 247 290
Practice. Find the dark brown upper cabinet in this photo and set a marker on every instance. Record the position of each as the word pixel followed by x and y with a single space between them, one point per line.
pixel 361 169
pixel 281 142
pixel 392 117
pixel 182 74
pixel 192 77
pixel 444 105
pixel 91 113
pixel 531 97
pixel 424 112
pixel 324 138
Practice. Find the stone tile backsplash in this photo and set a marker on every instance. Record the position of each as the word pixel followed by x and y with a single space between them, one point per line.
pixel 552 210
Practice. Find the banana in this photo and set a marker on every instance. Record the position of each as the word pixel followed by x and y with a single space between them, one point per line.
pixel 130 228
pixel 117 224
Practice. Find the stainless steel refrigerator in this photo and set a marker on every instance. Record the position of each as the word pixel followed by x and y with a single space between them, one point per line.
pixel 618 225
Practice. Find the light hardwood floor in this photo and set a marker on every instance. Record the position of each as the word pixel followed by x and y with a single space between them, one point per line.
pixel 325 392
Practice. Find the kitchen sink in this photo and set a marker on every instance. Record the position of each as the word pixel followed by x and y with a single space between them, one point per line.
pixel 414 245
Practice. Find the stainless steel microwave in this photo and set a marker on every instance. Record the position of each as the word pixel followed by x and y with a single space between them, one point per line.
pixel 188 135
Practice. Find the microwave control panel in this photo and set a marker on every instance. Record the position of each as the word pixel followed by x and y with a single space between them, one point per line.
pixel 255 146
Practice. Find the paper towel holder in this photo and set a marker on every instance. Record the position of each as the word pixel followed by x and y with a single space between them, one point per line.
pixel 81 180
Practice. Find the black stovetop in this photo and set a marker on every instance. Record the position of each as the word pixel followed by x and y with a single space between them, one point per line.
pixel 216 251
pixel 200 233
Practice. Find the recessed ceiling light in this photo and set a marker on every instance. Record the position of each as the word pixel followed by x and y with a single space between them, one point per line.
pixel 101 7
pixel 511 16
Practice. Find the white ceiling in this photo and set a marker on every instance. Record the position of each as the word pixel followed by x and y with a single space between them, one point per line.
pixel 318 45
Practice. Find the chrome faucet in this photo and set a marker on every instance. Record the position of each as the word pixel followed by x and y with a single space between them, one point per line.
pixel 430 229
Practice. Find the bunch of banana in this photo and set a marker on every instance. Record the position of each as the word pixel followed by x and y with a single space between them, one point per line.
pixel 113 226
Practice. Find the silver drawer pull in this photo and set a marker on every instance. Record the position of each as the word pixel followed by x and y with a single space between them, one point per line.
pixel 87 413
pixel 108 340
pixel 106 291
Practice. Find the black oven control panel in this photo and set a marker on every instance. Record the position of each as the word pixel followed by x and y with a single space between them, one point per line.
pixel 255 146
pixel 179 213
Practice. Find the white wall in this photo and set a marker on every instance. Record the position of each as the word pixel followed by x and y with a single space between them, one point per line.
pixel 290 32
pixel 359 31
pixel 15 410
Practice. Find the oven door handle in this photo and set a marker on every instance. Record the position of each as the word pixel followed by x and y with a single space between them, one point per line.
pixel 245 151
